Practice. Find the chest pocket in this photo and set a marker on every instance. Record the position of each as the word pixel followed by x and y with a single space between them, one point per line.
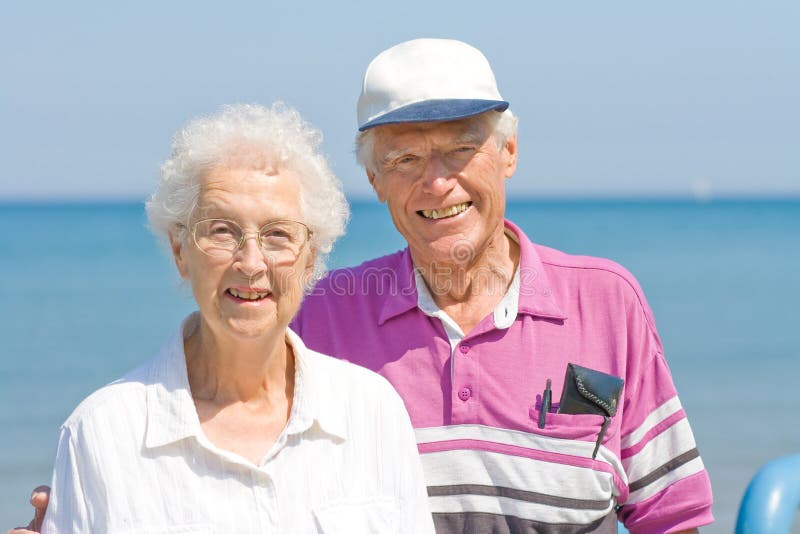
pixel 568 426
pixel 366 516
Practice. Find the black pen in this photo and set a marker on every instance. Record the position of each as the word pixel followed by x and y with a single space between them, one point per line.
pixel 546 399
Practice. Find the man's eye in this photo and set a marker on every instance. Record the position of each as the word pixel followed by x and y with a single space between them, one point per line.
pixel 406 159
pixel 464 149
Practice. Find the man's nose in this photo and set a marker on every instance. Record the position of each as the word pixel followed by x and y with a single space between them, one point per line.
pixel 437 178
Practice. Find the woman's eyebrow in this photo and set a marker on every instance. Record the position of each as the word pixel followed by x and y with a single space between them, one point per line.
pixel 212 208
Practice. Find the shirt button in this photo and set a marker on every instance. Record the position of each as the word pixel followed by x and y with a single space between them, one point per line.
pixel 464 348
pixel 464 394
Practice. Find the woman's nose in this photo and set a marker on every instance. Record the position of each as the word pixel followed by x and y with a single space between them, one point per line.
pixel 250 258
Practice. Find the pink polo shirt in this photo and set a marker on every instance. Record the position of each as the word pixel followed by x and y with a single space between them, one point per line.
pixel 488 466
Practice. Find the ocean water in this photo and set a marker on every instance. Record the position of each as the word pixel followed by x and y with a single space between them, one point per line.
pixel 86 293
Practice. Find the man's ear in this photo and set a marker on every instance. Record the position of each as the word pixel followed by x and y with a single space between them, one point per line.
pixel 377 185
pixel 510 154
pixel 178 253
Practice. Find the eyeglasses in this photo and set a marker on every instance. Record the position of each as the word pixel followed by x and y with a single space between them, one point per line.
pixel 281 241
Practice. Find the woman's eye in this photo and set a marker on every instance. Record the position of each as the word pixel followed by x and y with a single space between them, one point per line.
pixel 276 234
pixel 221 230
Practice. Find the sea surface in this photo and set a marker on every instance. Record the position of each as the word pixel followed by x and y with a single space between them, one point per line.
pixel 86 293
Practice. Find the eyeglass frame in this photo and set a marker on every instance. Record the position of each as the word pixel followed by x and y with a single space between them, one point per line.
pixel 246 235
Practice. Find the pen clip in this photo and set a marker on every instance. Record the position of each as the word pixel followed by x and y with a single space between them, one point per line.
pixel 547 396
pixel 601 435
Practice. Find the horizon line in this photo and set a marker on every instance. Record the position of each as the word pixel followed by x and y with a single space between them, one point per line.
pixel 367 199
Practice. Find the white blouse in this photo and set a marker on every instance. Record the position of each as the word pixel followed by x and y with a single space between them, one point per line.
pixel 132 458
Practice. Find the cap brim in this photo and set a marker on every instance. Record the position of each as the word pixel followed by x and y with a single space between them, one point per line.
pixel 436 110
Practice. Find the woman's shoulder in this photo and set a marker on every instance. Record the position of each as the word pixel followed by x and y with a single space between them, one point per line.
pixel 341 375
pixel 115 402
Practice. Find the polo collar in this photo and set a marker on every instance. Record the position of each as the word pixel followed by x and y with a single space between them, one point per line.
pixel 536 294
pixel 172 416
pixel 403 297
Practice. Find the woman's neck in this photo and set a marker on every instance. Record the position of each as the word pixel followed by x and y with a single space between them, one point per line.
pixel 225 369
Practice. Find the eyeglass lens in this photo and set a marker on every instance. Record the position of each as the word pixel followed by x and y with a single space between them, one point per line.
pixel 282 240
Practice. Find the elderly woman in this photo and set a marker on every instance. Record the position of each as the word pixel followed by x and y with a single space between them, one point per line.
pixel 235 426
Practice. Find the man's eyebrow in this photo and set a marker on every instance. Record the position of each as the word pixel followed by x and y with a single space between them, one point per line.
pixel 469 137
pixel 394 154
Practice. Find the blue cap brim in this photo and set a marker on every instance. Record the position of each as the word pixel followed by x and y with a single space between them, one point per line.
pixel 436 110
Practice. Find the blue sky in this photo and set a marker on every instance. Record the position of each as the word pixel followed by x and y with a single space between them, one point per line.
pixel 614 98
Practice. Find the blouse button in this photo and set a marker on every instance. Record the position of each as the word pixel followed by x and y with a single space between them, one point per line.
pixel 464 394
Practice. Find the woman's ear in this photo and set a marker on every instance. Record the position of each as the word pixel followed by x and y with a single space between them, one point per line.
pixel 312 258
pixel 176 242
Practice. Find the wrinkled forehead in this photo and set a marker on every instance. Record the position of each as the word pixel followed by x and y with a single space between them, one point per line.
pixel 394 136
pixel 244 154
pixel 244 191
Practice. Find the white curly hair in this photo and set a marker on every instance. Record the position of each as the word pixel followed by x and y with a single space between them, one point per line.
pixel 278 135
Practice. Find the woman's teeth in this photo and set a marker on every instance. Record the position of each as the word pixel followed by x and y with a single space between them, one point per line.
pixel 445 212
pixel 248 295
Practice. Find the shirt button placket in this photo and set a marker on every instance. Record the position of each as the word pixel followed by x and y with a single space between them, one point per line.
pixel 266 502
pixel 465 381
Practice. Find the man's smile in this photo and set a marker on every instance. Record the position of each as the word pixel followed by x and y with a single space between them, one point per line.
pixel 442 213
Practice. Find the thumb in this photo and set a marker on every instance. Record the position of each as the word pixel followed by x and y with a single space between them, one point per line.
pixel 40 498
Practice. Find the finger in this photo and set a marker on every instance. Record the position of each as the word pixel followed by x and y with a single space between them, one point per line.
pixel 40 497
pixel 38 519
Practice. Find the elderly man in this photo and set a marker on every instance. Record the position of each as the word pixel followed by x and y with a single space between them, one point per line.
pixel 476 326
pixel 471 320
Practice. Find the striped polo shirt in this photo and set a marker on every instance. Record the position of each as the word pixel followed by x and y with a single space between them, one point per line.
pixel 475 399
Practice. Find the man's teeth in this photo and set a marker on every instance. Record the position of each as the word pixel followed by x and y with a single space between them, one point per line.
pixel 248 295
pixel 446 212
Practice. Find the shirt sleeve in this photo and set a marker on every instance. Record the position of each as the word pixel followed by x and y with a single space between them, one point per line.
pixel 66 511
pixel 415 515
pixel 669 488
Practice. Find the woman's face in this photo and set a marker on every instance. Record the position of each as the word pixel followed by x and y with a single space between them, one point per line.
pixel 246 294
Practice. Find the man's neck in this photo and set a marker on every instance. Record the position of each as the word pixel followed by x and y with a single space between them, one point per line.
pixel 470 291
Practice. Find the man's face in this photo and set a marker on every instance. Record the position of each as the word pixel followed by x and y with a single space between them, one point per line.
pixel 444 183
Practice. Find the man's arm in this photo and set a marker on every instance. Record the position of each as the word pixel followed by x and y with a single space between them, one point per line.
pixel 39 500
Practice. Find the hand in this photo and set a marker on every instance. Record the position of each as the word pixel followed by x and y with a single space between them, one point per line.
pixel 39 499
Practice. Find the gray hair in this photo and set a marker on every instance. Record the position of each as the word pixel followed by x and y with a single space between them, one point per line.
pixel 251 134
pixel 503 126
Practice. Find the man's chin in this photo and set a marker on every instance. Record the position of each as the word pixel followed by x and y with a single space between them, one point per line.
pixel 449 250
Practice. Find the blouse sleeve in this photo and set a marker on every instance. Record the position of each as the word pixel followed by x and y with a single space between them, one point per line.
pixel 415 514
pixel 67 511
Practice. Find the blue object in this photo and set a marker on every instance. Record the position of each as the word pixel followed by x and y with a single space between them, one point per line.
pixel 443 109
pixel 772 498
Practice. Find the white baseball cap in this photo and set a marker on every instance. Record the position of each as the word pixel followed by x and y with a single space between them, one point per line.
pixel 427 80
